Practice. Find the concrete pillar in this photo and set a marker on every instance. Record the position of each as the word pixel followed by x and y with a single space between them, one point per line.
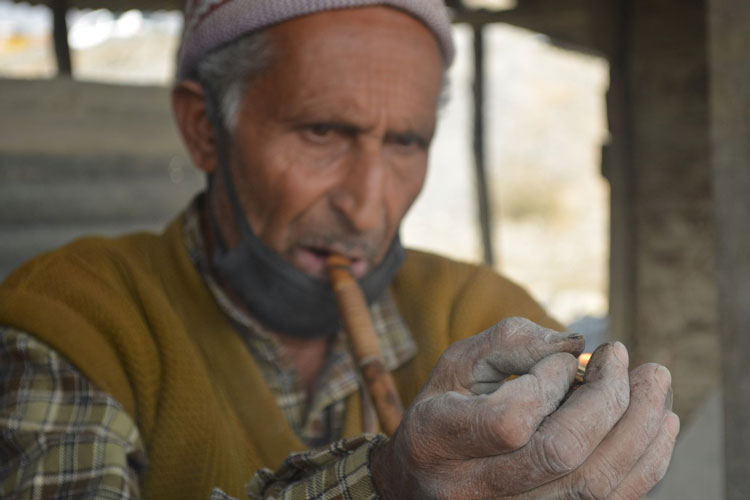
pixel 663 278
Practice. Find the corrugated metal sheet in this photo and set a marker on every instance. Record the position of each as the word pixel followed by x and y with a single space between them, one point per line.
pixel 82 158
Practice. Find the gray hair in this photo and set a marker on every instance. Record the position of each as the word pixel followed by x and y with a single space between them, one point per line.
pixel 228 71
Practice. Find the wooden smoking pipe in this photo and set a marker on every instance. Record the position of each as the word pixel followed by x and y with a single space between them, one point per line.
pixel 363 342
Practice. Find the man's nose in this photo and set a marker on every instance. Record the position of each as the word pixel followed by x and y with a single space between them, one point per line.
pixel 359 197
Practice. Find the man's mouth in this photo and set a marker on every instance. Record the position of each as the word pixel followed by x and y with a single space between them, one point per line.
pixel 312 260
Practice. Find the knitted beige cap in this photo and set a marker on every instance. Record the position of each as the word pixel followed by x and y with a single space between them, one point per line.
pixel 209 24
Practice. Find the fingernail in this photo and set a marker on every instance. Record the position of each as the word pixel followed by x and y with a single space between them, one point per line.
pixel 663 376
pixel 621 352
pixel 668 400
pixel 673 424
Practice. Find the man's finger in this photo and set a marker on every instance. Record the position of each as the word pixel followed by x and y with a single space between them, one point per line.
pixel 481 363
pixel 621 450
pixel 569 435
pixel 612 461
pixel 517 344
pixel 652 466
pixel 486 425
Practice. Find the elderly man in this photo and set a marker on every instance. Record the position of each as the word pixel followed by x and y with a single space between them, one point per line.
pixel 174 365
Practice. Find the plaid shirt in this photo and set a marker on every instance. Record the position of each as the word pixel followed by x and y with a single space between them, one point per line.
pixel 59 436
pixel 63 438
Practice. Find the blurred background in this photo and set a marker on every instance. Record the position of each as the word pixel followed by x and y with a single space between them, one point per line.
pixel 575 155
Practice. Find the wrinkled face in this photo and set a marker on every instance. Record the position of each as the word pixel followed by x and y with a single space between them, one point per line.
pixel 330 147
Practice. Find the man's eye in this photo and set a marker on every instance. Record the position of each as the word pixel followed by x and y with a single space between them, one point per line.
pixel 407 143
pixel 319 133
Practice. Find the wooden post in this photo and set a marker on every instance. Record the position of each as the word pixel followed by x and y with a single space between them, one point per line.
pixel 483 197
pixel 60 36
pixel 729 44
pixel 618 167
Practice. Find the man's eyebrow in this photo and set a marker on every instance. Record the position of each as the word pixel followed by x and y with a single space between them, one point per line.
pixel 333 123
pixel 343 126
pixel 410 135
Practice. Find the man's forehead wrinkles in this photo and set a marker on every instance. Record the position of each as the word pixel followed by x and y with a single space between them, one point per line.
pixel 353 72
pixel 360 112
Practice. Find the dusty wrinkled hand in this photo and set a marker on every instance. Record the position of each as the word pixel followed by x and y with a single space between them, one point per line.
pixel 470 434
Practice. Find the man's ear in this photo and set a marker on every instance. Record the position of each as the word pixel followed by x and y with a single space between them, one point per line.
pixel 196 127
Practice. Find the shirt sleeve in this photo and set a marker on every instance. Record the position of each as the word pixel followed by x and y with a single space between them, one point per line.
pixel 342 470
pixel 60 437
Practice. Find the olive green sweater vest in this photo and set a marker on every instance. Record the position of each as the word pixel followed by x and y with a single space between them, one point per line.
pixel 135 317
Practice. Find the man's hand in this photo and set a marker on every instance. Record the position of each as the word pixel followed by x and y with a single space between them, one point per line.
pixel 471 435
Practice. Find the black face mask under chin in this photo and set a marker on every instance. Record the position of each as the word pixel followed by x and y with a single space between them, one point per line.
pixel 284 298
pixel 281 296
